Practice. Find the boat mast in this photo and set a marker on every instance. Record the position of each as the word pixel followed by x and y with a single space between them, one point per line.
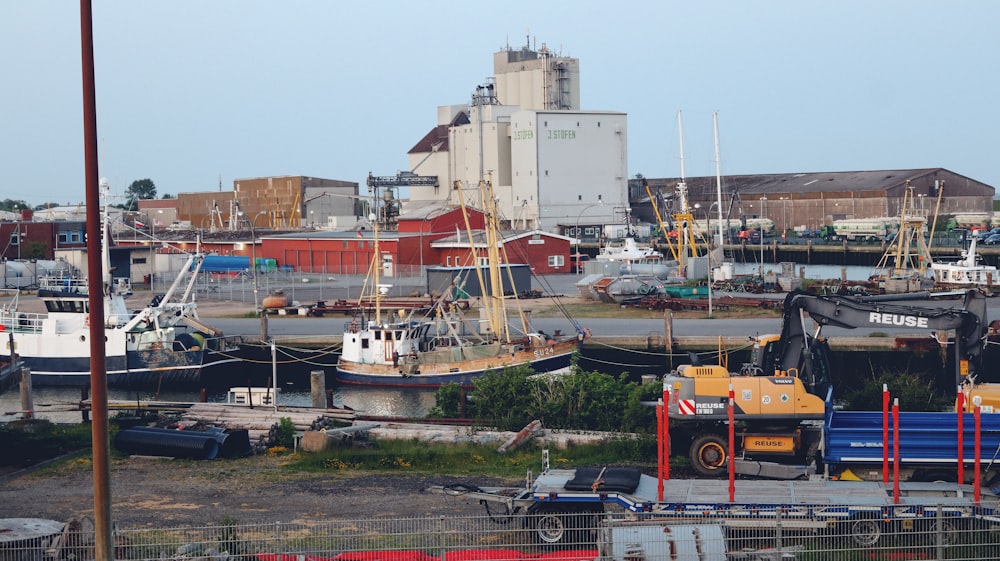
pixel 376 265
pixel 684 216
pixel 718 177
pixel 499 308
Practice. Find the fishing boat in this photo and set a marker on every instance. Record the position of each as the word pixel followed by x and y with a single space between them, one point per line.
pixel 905 265
pixel 628 251
pixel 969 271
pixel 163 344
pixel 442 346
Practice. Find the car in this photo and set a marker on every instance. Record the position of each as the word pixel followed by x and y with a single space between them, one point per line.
pixel 577 260
pixel 808 233
pixel 993 239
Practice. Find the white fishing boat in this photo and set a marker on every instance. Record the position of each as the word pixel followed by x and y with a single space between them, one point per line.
pixel 442 346
pixel 969 271
pixel 163 345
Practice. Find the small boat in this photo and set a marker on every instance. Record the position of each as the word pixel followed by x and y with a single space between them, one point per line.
pixel 276 300
pixel 628 251
pixel 442 346
pixel 966 272
pixel 163 344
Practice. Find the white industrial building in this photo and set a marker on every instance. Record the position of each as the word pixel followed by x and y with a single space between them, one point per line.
pixel 553 165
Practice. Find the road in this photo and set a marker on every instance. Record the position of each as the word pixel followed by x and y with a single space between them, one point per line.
pixel 287 326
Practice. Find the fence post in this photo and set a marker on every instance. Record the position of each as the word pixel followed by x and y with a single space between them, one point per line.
pixel 27 402
pixel 939 533
pixel 778 538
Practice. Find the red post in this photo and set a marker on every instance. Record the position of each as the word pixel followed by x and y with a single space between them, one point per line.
pixel 659 450
pixel 960 406
pixel 895 451
pixel 885 433
pixel 732 445
pixel 666 435
pixel 976 489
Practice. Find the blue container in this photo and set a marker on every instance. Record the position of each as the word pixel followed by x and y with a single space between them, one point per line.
pixel 225 263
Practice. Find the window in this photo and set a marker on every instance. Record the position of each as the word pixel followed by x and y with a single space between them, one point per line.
pixel 138 260
pixel 447 261
pixel 63 237
pixel 556 261
pixel 14 239
pixel 483 262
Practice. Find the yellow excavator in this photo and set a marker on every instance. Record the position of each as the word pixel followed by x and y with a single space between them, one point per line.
pixel 779 396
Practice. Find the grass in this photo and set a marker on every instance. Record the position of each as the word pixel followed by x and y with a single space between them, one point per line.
pixel 28 443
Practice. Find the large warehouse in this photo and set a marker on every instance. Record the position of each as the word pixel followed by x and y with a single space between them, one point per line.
pixel 812 200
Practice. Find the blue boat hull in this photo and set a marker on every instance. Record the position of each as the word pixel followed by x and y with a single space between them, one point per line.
pixel 154 368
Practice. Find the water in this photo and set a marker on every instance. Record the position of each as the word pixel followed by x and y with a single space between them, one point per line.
pixel 818 272
pixel 54 404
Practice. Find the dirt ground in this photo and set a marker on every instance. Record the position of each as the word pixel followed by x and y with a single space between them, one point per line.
pixel 159 492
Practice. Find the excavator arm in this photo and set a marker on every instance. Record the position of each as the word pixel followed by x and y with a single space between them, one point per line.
pixel 793 350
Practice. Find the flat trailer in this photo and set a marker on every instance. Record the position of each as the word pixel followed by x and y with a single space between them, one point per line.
pixel 561 504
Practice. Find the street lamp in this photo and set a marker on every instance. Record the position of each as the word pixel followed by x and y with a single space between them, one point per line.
pixel 784 224
pixel 763 212
pixel 579 269
pixel 253 259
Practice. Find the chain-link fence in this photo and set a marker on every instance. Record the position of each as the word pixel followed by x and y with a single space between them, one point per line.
pixel 543 535
pixel 307 288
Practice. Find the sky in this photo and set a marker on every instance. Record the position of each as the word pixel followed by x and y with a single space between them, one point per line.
pixel 191 94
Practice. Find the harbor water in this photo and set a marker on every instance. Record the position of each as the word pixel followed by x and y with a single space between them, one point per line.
pixel 59 404
pixel 56 403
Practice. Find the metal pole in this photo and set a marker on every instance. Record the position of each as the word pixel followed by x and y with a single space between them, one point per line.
pixel 578 217
pixel 274 374
pixel 100 447
pixel 253 264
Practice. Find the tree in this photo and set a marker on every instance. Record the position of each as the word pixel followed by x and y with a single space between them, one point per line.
pixel 12 205
pixel 143 189
pixel 168 196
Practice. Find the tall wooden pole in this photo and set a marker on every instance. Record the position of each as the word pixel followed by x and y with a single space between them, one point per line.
pixel 95 300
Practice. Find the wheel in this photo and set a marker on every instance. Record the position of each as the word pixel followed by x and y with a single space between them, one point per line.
pixel 708 454
pixel 950 529
pixel 866 532
pixel 562 524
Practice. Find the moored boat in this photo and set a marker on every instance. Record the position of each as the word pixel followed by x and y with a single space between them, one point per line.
pixel 402 348
pixel 966 272
pixel 163 344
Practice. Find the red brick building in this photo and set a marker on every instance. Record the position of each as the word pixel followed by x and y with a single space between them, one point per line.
pixel 404 252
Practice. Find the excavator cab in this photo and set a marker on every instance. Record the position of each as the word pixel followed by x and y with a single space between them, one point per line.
pixel 814 369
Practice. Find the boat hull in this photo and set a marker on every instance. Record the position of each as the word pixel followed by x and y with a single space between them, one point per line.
pixel 547 358
pixel 153 368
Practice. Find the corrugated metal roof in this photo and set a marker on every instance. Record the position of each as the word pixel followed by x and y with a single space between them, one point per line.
pixel 836 181
pixel 439 136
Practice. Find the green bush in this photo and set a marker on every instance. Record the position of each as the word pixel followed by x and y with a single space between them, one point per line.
pixel 285 435
pixel 582 400
pixel 915 391
pixel 448 400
